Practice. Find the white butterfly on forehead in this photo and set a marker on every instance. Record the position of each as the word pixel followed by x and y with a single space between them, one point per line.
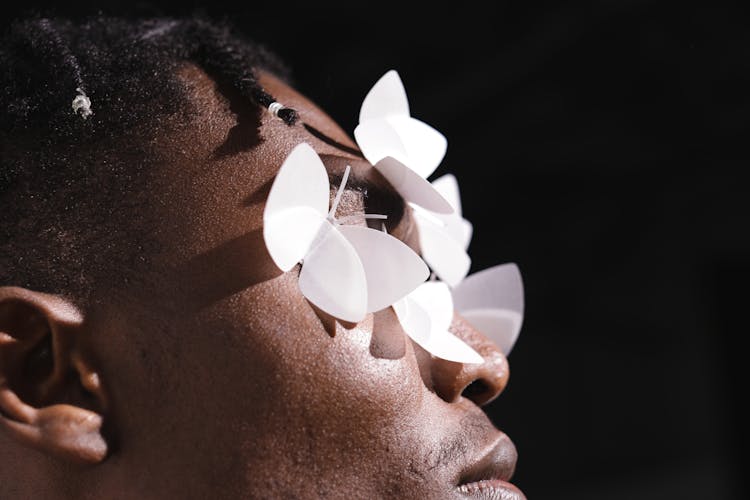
pixel 347 271
pixel 405 150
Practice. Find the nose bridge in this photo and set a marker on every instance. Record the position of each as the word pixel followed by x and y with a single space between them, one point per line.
pixel 479 382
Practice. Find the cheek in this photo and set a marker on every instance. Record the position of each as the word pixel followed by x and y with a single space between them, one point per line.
pixel 356 388
pixel 256 388
pixel 368 371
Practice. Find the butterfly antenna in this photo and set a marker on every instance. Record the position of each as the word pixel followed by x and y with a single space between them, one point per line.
pixel 337 200
pixel 339 194
pixel 352 218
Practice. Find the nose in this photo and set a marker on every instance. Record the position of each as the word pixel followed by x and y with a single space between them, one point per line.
pixel 478 382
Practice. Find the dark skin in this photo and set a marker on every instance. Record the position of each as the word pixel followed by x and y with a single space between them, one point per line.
pixel 219 379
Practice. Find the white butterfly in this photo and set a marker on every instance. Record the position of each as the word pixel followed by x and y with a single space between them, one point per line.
pixel 426 315
pixel 405 150
pixel 347 271
pixel 492 301
pixel 443 239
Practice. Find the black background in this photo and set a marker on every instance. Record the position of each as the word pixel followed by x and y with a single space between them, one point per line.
pixel 599 145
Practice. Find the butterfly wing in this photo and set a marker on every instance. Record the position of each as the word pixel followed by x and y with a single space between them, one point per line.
pixel 426 315
pixel 414 320
pixel 378 139
pixel 386 98
pixel 444 254
pixel 391 268
pixel 424 145
pixel 412 187
pixel 459 228
pixel 435 298
pixel 332 276
pixel 386 129
pixel 445 345
pixel 499 286
pixel 296 207
pixel 412 142
pixel 447 185
pixel 500 325
pixel 492 301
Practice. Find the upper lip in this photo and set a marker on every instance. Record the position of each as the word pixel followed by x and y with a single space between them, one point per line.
pixel 498 462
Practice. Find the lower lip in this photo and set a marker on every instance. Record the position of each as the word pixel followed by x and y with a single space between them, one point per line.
pixel 491 489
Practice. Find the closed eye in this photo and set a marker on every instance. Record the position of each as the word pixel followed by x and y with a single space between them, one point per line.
pixel 368 192
pixel 364 197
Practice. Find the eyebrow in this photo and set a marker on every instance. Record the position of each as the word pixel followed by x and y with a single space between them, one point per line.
pixel 332 142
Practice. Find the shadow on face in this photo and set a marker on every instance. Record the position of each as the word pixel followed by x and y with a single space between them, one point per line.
pixel 221 379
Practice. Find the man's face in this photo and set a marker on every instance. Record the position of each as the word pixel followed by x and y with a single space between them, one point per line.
pixel 227 383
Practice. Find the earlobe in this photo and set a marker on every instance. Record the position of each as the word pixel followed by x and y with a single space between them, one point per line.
pixel 65 431
pixel 42 361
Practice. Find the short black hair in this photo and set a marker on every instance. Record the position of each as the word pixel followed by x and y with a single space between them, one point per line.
pixel 59 199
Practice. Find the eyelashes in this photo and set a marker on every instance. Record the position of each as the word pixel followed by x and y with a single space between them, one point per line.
pixel 363 196
pixel 388 203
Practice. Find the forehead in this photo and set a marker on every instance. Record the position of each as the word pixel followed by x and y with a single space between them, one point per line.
pixel 226 111
pixel 218 169
pixel 314 120
pixel 232 142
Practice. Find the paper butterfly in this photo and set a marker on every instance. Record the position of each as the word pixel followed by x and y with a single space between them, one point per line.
pixel 426 315
pixel 492 301
pixel 347 271
pixel 405 150
pixel 444 239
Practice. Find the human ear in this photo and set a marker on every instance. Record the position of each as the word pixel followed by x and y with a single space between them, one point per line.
pixel 50 396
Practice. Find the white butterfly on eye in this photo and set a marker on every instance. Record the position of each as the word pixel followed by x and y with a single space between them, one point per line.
pixel 492 302
pixel 347 271
pixel 405 150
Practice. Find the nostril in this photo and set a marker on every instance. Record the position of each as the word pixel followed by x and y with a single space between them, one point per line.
pixel 477 391
pixel 479 383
